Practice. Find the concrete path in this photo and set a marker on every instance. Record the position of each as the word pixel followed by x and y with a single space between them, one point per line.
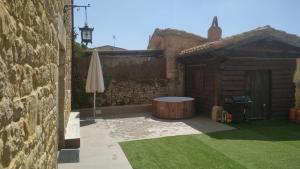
pixel 99 141
pixel 98 149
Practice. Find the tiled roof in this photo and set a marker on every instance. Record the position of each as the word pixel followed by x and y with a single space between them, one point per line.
pixel 146 53
pixel 172 32
pixel 262 32
pixel 108 48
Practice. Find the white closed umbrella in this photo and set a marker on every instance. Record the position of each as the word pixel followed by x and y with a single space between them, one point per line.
pixel 94 81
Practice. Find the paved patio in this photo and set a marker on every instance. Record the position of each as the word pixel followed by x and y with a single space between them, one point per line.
pixel 136 126
pixel 99 141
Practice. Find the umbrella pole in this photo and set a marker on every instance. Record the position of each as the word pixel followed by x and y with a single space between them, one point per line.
pixel 94 105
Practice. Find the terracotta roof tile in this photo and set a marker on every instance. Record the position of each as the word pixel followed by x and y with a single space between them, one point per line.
pixel 172 32
pixel 258 32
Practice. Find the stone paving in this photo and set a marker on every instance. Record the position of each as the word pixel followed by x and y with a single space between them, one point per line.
pixel 136 126
pixel 99 140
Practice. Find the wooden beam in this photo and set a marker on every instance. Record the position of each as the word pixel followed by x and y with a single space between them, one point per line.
pixel 261 54
pixel 197 65
pixel 262 59
pixel 266 50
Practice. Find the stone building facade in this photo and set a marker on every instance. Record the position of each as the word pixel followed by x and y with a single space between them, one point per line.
pixel 172 42
pixel 35 72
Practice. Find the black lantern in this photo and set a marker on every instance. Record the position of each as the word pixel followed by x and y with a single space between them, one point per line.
pixel 86 34
pixel 86 31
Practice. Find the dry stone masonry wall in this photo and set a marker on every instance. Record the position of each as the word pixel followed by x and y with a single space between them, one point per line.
pixel 129 79
pixel 126 92
pixel 29 49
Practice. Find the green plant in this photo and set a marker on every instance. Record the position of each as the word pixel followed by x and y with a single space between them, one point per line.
pixel 79 50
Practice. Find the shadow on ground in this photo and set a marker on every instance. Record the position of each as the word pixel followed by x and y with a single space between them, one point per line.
pixel 86 122
pixel 262 130
pixel 68 156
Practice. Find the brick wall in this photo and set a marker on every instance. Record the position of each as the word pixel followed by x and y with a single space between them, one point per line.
pixel 33 35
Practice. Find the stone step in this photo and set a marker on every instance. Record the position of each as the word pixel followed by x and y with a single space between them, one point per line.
pixel 68 156
pixel 72 136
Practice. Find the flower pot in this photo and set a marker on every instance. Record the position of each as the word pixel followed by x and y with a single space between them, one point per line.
pixel 297 116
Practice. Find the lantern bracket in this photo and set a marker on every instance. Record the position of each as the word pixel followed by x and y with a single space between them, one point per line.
pixel 66 7
pixel 86 31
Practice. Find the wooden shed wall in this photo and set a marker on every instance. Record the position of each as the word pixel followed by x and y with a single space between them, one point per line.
pixel 200 84
pixel 282 87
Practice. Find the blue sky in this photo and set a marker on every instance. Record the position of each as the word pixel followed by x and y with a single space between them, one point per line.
pixel 133 21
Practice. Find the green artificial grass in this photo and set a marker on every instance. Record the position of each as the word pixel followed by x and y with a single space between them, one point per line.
pixel 260 144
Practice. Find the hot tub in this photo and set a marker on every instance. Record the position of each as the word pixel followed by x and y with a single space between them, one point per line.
pixel 173 107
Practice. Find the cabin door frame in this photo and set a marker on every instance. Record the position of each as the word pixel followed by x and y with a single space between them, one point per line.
pixel 258 87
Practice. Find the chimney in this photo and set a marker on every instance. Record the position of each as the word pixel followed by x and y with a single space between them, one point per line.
pixel 214 32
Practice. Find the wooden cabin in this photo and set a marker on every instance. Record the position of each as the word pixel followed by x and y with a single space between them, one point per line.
pixel 259 64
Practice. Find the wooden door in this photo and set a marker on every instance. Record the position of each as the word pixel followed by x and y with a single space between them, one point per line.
pixel 258 87
pixel 194 85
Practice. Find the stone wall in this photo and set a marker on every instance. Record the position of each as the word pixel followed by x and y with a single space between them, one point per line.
pixel 172 42
pixel 33 36
pixel 130 92
pixel 131 77
pixel 66 54
pixel 133 67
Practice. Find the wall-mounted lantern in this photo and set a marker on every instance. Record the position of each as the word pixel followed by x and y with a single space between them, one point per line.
pixel 86 34
pixel 86 31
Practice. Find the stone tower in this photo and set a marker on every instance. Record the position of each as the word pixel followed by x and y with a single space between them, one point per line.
pixel 214 32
